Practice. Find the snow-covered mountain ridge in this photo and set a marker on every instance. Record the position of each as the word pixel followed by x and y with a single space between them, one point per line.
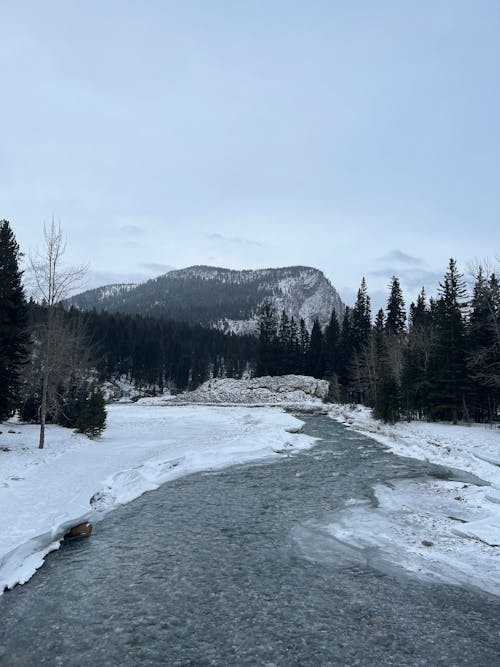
pixel 224 298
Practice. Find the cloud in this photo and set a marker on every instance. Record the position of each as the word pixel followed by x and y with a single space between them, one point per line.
pixel 401 258
pixel 156 267
pixel 100 278
pixel 132 230
pixel 412 278
pixel 235 240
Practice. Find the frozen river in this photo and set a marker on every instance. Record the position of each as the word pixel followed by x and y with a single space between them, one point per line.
pixel 224 568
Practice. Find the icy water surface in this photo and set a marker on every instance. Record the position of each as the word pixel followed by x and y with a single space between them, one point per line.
pixel 206 571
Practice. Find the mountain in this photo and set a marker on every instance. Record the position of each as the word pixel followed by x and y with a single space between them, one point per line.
pixel 227 299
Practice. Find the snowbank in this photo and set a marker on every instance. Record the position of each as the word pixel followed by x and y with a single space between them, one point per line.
pixel 441 530
pixel 45 492
pixel 291 390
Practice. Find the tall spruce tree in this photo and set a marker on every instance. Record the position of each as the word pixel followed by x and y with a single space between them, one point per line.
pixel 331 341
pixel 447 367
pixel 316 366
pixel 361 318
pixel 268 362
pixel 483 348
pixel 396 315
pixel 92 418
pixel 416 354
pixel 13 336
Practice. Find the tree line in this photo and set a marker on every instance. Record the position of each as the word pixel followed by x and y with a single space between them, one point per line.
pixel 53 360
pixel 440 363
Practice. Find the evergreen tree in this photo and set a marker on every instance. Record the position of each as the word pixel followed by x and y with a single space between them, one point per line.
pixel 361 318
pixel 13 336
pixel 387 399
pixel 316 366
pixel 483 348
pixel 447 367
pixel 92 418
pixel 294 348
pixel 304 341
pixel 346 347
pixel 284 346
pixel 396 315
pixel 331 343
pixel 267 362
pixel 416 355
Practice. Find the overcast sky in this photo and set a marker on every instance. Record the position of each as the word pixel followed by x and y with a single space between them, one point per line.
pixel 357 137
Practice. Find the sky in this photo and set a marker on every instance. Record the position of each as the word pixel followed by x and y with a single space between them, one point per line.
pixel 361 138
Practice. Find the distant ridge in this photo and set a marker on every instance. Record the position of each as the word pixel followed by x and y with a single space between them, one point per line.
pixel 224 298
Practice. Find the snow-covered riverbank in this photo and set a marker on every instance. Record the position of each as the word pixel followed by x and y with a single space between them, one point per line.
pixel 440 530
pixel 45 492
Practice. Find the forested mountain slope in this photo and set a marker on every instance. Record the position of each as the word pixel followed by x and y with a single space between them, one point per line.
pixel 230 300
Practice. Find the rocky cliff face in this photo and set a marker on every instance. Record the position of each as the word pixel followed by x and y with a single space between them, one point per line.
pixel 227 299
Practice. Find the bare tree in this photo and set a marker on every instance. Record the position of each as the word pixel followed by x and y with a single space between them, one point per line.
pixel 54 282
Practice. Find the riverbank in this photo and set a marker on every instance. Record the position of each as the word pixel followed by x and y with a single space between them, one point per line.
pixel 440 530
pixel 45 492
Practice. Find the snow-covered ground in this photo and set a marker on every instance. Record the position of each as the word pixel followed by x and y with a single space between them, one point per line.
pixel 440 530
pixel 45 492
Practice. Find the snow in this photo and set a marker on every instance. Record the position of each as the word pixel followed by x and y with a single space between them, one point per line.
pixel 458 522
pixel 286 390
pixel 437 530
pixel 43 493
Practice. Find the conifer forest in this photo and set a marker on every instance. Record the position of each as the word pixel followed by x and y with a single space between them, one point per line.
pixel 438 360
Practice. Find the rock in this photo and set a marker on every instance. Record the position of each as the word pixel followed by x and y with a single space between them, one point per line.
pixel 426 543
pixel 81 530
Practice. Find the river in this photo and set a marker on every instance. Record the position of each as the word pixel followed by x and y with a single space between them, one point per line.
pixel 207 570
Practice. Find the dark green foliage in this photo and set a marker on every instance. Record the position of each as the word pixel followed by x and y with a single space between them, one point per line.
pixel 13 336
pixel 396 315
pixel 159 353
pixel 415 384
pixel 286 349
pixel 447 364
pixel 331 342
pixel 387 403
pixel 92 418
pixel 316 363
pixel 346 347
pixel 269 362
pixel 201 294
pixel 483 348
pixel 361 319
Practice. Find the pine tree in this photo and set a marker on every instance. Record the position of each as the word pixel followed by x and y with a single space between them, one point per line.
pixel 331 342
pixel 447 367
pixel 316 361
pixel 396 315
pixel 387 399
pixel 92 419
pixel 416 355
pixel 345 347
pixel 361 318
pixel 268 350
pixel 304 341
pixel 13 335
pixel 483 348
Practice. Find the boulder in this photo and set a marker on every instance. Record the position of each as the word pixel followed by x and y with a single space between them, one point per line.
pixel 81 530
